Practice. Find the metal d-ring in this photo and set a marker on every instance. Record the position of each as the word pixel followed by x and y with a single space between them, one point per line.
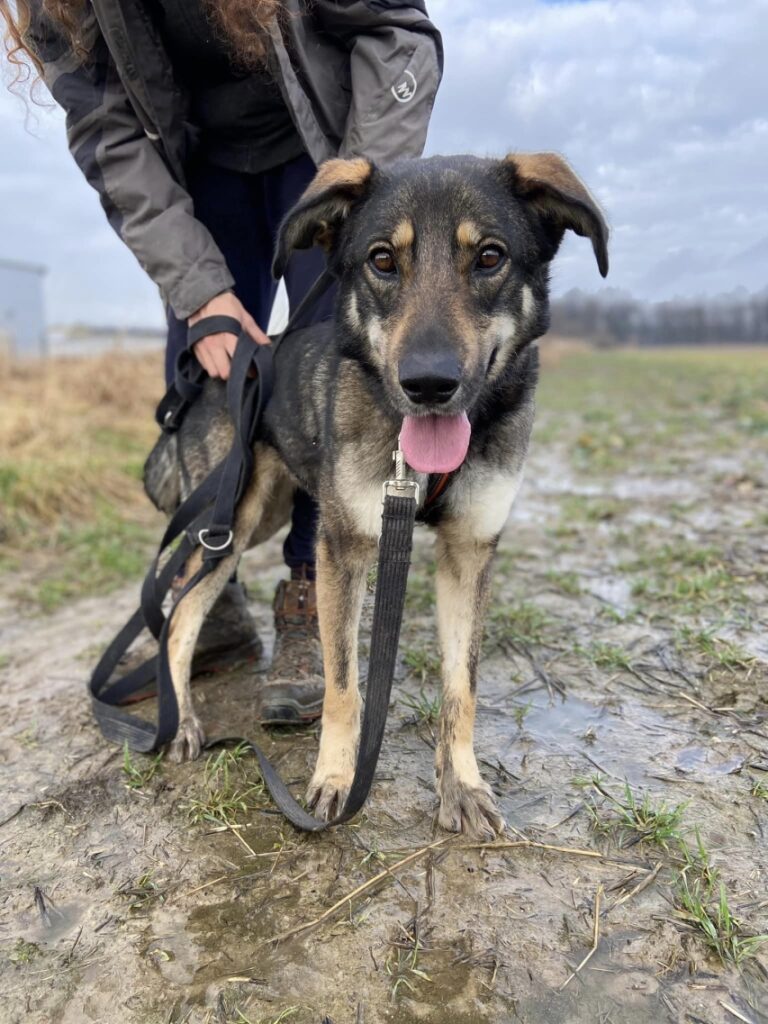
pixel 214 547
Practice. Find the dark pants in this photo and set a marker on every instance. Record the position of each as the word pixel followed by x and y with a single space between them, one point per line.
pixel 243 213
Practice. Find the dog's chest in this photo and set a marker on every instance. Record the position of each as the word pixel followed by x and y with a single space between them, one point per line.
pixel 479 497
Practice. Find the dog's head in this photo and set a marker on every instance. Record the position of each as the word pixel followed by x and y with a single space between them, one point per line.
pixel 443 270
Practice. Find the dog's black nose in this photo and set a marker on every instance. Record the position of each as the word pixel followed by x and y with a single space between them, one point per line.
pixel 429 379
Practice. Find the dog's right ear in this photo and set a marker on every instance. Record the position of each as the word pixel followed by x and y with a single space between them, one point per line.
pixel 316 218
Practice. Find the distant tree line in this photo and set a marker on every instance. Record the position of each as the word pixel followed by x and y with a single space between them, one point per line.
pixel 614 318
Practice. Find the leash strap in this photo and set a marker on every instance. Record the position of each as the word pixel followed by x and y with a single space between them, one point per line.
pixel 206 518
pixel 398 519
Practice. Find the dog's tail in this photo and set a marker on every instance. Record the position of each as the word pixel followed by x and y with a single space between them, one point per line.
pixel 162 474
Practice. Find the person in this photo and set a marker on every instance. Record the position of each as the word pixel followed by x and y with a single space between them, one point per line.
pixel 199 123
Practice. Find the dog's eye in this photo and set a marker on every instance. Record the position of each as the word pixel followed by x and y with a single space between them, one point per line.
pixel 383 261
pixel 490 258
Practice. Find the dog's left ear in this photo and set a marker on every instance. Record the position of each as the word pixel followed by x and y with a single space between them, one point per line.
pixel 552 188
pixel 317 216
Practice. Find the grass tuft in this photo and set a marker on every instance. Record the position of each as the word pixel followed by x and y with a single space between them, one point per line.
pixel 707 908
pixel 227 789
pixel 638 820
pixel 521 624
pixel 139 776
pixel 426 709
pixel 717 652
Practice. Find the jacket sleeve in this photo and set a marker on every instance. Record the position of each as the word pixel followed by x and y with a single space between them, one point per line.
pixel 396 63
pixel 147 208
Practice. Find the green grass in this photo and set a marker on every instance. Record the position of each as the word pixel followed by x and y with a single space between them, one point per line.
pixel 228 790
pixel 422 663
pixel 521 712
pixel 707 908
pixel 684 576
pixel 94 559
pixel 426 710
pixel 566 582
pixel 759 789
pixel 420 596
pixel 635 819
pixel 520 624
pixel 621 410
pixel 717 652
pixel 23 952
pixel 581 508
pixel 139 774
pixel 607 656
pixel 700 894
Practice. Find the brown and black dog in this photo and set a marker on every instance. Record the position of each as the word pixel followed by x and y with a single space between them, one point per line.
pixel 443 285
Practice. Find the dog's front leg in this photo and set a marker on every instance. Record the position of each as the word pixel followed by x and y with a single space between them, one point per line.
pixel 343 560
pixel 463 583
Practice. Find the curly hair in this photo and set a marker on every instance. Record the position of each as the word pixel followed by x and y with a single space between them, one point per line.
pixel 243 24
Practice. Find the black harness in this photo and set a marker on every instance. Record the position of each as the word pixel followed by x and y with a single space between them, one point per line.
pixel 206 518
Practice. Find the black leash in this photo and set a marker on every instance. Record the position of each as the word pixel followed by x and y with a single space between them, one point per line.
pixel 206 518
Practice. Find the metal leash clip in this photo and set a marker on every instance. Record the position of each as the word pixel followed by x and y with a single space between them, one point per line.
pixel 400 486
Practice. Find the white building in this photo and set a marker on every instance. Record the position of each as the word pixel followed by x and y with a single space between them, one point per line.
pixel 22 309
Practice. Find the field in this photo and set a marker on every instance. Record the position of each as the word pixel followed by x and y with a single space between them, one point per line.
pixel 623 724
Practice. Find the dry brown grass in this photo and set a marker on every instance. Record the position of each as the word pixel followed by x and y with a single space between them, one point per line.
pixel 73 436
pixel 553 349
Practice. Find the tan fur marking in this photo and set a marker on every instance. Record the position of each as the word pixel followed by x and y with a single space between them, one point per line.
pixel 340 174
pixel 547 168
pixel 468 234
pixel 404 235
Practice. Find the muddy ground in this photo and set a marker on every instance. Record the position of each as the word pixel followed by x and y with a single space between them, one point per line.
pixel 626 645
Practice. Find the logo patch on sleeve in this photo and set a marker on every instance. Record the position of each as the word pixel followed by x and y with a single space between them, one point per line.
pixel 405 89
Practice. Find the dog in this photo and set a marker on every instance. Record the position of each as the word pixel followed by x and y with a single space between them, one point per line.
pixel 442 267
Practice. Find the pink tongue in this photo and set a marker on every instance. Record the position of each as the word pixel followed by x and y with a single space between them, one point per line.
pixel 435 444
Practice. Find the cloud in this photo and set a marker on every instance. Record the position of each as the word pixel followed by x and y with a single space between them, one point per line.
pixel 657 104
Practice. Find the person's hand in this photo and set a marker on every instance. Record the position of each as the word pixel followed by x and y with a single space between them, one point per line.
pixel 215 351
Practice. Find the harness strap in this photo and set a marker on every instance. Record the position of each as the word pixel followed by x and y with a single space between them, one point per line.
pixel 212 325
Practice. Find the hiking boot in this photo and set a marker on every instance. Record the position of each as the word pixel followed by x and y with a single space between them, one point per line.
pixel 228 636
pixel 292 692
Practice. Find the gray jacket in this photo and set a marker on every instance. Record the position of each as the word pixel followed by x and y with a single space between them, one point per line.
pixel 358 76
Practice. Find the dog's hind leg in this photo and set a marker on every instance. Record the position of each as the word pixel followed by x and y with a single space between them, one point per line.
pixel 268 482
pixel 186 623
pixel 463 584
pixel 342 566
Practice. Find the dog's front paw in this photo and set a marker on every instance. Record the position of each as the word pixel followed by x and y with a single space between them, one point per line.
pixel 470 809
pixel 188 741
pixel 327 793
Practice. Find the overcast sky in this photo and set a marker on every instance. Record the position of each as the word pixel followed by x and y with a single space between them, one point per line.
pixel 659 104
